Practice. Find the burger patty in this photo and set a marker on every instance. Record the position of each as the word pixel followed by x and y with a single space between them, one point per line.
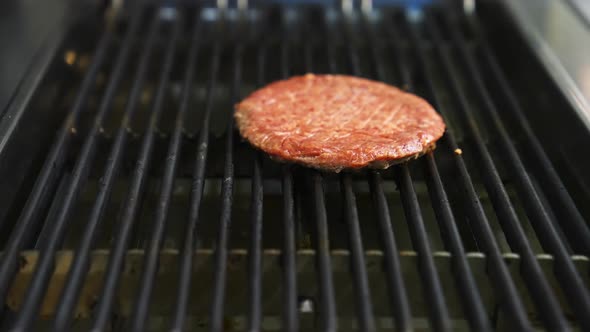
pixel 333 122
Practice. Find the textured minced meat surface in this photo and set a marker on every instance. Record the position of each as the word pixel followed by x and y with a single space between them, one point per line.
pixel 335 122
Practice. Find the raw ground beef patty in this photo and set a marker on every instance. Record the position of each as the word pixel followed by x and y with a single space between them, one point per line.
pixel 332 122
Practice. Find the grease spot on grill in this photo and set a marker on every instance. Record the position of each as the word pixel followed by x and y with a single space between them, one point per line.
pixel 22 262
pixel 70 57
pixel 306 305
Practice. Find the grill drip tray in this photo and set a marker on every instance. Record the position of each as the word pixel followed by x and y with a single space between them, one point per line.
pixel 163 302
pixel 140 208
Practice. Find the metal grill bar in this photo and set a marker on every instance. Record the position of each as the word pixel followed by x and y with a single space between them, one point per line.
pixel 133 201
pixel 440 316
pixel 308 50
pixel 565 271
pixel 256 206
pixel 288 254
pixel 324 262
pixel 397 289
pixel 152 256
pixel 46 263
pixel 473 303
pixel 323 259
pixel 538 285
pixel 255 254
pixel 41 241
pixel 364 306
pixel 499 273
pixel 49 173
pixel 218 299
pixel 569 216
pixel 473 306
pixel 438 309
pixel 191 239
pixel 82 260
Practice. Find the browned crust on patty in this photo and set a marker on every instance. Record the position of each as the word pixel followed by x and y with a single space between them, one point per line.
pixel 333 122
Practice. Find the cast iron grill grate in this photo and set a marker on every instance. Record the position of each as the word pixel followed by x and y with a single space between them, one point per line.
pixel 149 213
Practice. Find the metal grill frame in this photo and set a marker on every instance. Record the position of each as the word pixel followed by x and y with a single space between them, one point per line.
pixel 576 238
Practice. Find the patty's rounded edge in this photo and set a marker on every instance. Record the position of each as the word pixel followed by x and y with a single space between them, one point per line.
pixel 379 152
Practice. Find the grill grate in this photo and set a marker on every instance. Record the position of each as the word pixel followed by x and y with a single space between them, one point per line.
pixel 491 246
